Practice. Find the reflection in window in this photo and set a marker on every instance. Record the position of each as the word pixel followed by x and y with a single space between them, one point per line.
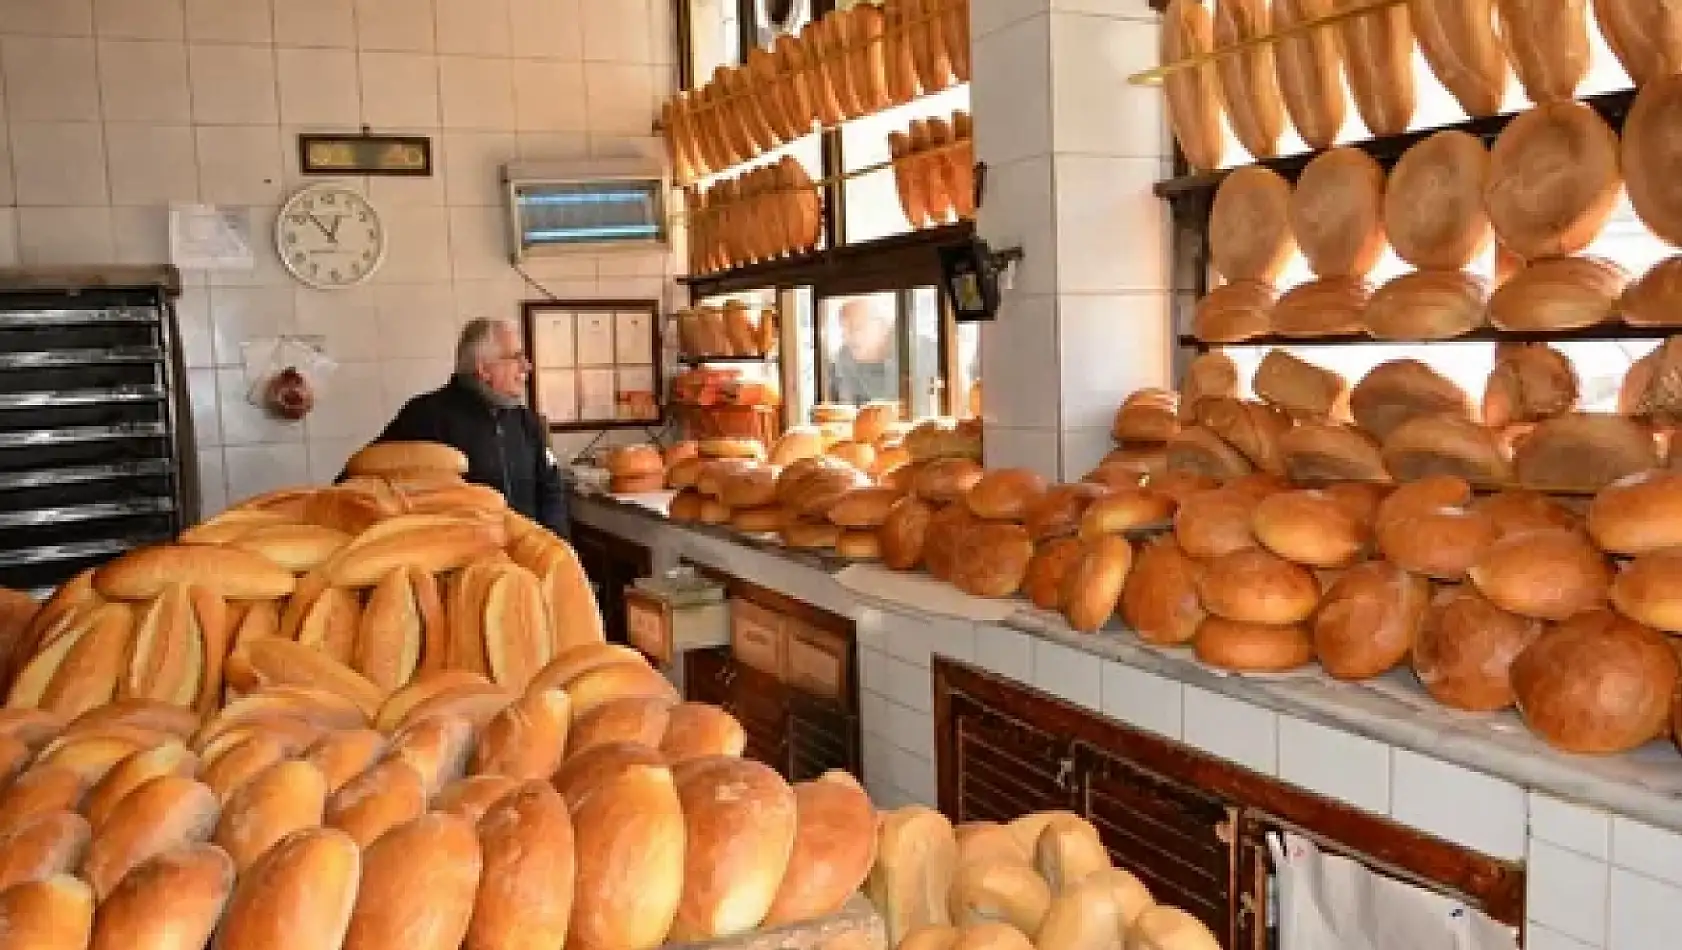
pixel 966 401
pixel 861 349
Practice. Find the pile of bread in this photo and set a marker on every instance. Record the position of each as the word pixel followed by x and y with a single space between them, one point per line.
pixel 847 64
pixel 934 170
pixel 1042 882
pixel 760 215
pixel 1472 49
pixel 735 329
pixel 293 818
pixel 361 588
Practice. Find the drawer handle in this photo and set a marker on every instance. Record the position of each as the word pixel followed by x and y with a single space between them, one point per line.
pixel 1065 771
pixel 729 676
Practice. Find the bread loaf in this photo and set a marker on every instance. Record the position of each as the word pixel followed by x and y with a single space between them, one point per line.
pixel 299 895
pixel 834 848
pixel 1643 591
pixel 280 662
pixel 1317 453
pixel 992 559
pixel 1649 152
pixel 1252 647
pixel 1331 306
pixel 1440 542
pixel 1299 388
pixel 286 797
pixel 1169 928
pixel 999 890
pixel 49 844
pixel 1368 620
pixel 1061 510
pixel 525 893
pixel 1234 312
pixel 1309 528
pixel 1445 445
pixel 696 730
pixel 1045 585
pixel 1550 575
pixel 912 876
pixel 739 819
pixel 170 758
pixel 1336 213
pixel 1254 586
pixel 404 458
pixel 1560 293
pixel 1597 684
pixel 1656 299
pixel 164 813
pixel 1583 452
pixel 1249 225
pixel 1400 390
pixel 1093 588
pixel 1310 73
pixel 1465 649
pixel 1548 44
pixel 1638 514
pixel 1553 177
pixel 1249 86
pixel 1427 305
pixel 1530 382
pixel 1194 107
pixel 473 796
pixel 1084 917
pixel 1434 210
pixel 1126 509
pixel 629 829
pixel 1378 64
pixel 238 575
pixel 387 795
pixel 1519 511
pixel 171 901
pixel 1160 601
pixel 903 533
pixel 1460 44
pixel 1645 35
pixel 1005 494
pixel 54 914
pixel 418 886
pixel 1212 523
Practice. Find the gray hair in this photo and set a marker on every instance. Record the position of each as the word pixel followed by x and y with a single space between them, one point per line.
pixel 475 339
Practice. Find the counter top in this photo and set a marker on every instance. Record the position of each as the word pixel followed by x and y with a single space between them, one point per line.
pixel 1394 709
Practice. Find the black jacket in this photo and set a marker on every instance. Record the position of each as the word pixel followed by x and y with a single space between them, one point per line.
pixel 507 448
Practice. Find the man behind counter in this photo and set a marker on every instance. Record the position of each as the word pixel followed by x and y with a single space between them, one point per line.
pixel 482 413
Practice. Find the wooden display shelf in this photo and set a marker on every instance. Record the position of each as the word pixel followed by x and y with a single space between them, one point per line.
pixel 868 266
pixel 729 360
pixel 1598 332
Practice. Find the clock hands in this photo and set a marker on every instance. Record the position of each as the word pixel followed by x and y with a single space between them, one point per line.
pixel 332 234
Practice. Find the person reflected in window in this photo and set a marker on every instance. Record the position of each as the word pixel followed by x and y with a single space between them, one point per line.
pixel 866 366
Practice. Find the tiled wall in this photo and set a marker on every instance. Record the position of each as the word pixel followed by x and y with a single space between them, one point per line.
pixel 1596 881
pixel 115 108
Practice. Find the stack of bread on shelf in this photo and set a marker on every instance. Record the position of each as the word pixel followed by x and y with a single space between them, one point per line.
pixel 1044 881
pixel 732 330
pixel 847 64
pixel 760 215
pixel 934 170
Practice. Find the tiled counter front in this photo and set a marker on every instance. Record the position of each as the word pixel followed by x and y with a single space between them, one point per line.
pixel 1597 879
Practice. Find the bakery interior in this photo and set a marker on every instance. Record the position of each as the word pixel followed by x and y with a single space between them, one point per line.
pixel 1000 512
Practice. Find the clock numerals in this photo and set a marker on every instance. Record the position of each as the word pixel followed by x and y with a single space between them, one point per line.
pixel 317 247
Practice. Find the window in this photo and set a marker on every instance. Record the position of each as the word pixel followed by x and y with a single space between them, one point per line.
pixel 715 36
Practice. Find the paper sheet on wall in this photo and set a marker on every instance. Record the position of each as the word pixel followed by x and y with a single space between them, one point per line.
pixel 207 237
pixel 1328 902
pixel 554 340
pixel 597 399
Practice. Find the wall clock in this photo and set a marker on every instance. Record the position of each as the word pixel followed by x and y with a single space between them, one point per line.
pixel 330 237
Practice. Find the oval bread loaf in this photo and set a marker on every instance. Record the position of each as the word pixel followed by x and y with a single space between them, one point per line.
pixel 1249 85
pixel 1194 106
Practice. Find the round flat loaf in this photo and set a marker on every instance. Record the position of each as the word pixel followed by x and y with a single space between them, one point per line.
pixel 1250 227
pixel 1651 153
pixel 1553 180
pixel 1235 312
pixel 1337 213
pixel 1434 203
pixel 1427 305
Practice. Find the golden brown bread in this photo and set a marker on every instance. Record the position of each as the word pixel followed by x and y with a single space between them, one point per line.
pixel 49 844
pixel 343 755
pixel 473 796
pixel 1211 523
pixel 236 575
pixel 389 640
pixel 1378 65
pixel 1211 375
pixel 1656 299
pixel 1330 306
pixel 739 821
pixel 387 795
pixel 1460 44
pixel 1441 542
pixel 164 813
pixel 1061 509
pixel 436 747
pixel 280 662
pixel 1645 35
pixel 1446 445
pixel 1644 591
pixel 1597 684
pixel 1199 451
pixel 286 797
pixel 1558 293
pixel 1248 85
pixel 1093 588
pixel 1547 42
pixel 1584 452
pixel 992 559
pixel 299 548
pixel 903 533
pixel 299 895
pixel 834 847
pixel 912 877
pixel 170 758
pixel 1520 510
pixel 1002 890
pixel 1310 528
pixel 171 901
pixel 1427 305
pixel 630 828
pixel 1126 509
pixel 418 886
pixel 1317 453
pixel 1434 210
pixel 1066 850
pixel 40 791
pixel 1252 647
pixel 1253 428
pixel 701 729
pixel 1367 621
pixel 392 458
pixel 1554 178
pixel 1194 107
pixel 1464 650
pixel 1254 586
pixel 1045 583
pixel 1299 388
pixel 1399 390
pixel 524 900
pixel 528 738
pixel 1249 225
pixel 54 914
pixel 1160 601
pixel 1005 494
pixel 1310 73
pixel 1530 382
pixel 1649 152
pixel 1337 211
pixel 1638 514
pixel 1550 575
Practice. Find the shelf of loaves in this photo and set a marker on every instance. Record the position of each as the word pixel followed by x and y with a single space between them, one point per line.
pixel 846 65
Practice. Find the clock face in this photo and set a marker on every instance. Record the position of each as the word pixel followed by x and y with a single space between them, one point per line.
pixel 330 236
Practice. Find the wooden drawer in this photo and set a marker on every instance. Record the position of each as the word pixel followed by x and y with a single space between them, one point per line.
pixel 759 638
pixel 819 662
pixel 648 625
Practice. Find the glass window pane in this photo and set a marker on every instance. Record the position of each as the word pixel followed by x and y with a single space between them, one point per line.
pixel 968 387
pixel 873 208
pixel 797 307
pixel 928 375
pixel 772 18
pixel 715 37
pixel 860 351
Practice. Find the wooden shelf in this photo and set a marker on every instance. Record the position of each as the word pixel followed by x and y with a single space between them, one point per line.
pixel 891 263
pixel 729 360
pixel 1601 332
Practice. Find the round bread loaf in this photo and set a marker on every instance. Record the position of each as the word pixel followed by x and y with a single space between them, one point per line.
pixel 1297 387
pixel 1656 299
pixel 630 461
pixel 1321 452
pixel 903 533
pixel 1399 390
pixel 524 898
pixel 1249 86
pixel 1254 428
pixel 1530 382
pixel 1005 494
pixel 749 487
pixel 1147 415
pixel 1597 684
pixel 1378 64
pixel 834 845
pixel 1415 498
pixel 1234 312
pixel 1336 213
pixel 1368 620
pixel 629 829
pixel 1650 153
pixel 1554 178
pixel 1160 601
pixel 992 559
pixel 1310 74
pixel 1254 586
pixel 1093 588
pixel 1176 486
pixel 1249 225
pixel 1330 306
pixel 1550 575
pixel 863 508
pixel 1252 647
pixel 1446 445
pixel 739 819
pixel 947 480
pixel 1638 514
pixel 1061 509
pixel 298 895
pixel 799 442
pixel 1584 452
pixel 1547 42
pixel 1646 591
pixel 1434 210
pixel 390 458
pixel 943 542
pixel 639 720
pixel 1194 108
pixel 1126 509
pixel 1045 584
pixel 1427 305
pixel 1438 542
pixel 686 506
pixel 1558 293
pixel 1213 523
pixel 1309 528
pixel 809 535
pixel 1465 648
pixel 1462 48
pixel 1518 511
pixel 699 729
pixel 1198 451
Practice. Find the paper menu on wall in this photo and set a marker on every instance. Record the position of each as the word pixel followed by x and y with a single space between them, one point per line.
pixel 557 395
pixel 208 237
pixel 634 338
pixel 597 398
pixel 552 339
pixel 595 340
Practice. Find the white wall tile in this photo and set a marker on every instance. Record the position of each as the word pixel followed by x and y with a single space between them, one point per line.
pixel 619 98
pixel 1232 729
pixel 395 25
pixel 873 717
pixel 913 775
pixel 1538 937
pixel 1459 805
pixel 1032 449
pixel 144 81
pixel 59 163
pixel 1095 375
pixel 233 85
pixel 1095 110
pixel 616 32
pixel 1019 362
pixel 405 379
pixel 351 406
pixel 547 28
pixel 239 164
pixel 911 730
pixel 239 315
pixel 420 245
pixel 473 27
pixel 1010 93
pixel 990 16
pixel 140 19
pixel 1069 674
pixel 1112 230
pixel 192 319
pixel 8 186
pixel 1336 764
pixel 213 482
pixel 474 167
pixel 1083 449
pixel 1144 700
pixel 315 23
pixel 53 236
pixel 8 237
pixel 399 90
pixel 478 243
pixel 909 685
pixel 327 457
pixel 230 21
pixel 255 469
pixel 549 95
pixel 1587 831
pixel 267 269
pixel 476 93
pixel 47 17
pixel 201 398
pixel 1644 849
pixel 151 164
pixel 415 321
pixel 1018 212
pixel 140 234
pixel 1646 914
pixel 50 79
pixel 319 87
pixel 873 671
pixel 1567 892
pixel 347 321
pixel 1005 652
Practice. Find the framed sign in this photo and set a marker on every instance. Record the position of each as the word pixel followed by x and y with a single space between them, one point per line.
pixel 595 363
pixel 364 154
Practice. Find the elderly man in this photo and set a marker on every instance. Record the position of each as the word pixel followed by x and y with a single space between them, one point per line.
pixel 482 412
pixel 866 366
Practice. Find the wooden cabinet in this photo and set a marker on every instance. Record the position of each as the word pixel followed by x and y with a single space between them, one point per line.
pixel 1192 827
pixel 612 564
